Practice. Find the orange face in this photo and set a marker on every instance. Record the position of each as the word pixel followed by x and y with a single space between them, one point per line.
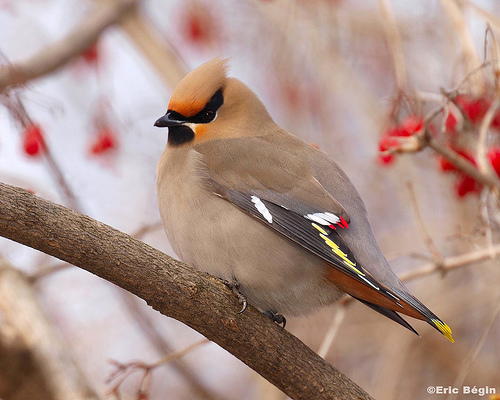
pixel 186 108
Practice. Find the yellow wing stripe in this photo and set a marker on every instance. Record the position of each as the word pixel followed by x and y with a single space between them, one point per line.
pixel 319 228
pixel 445 329
pixel 341 254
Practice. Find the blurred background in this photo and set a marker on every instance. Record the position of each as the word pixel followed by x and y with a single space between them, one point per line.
pixel 352 77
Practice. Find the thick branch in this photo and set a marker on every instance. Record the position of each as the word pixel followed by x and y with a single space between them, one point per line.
pixel 57 55
pixel 174 289
pixel 157 50
pixel 34 362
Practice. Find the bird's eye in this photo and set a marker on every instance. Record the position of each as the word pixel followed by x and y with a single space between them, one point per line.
pixel 208 115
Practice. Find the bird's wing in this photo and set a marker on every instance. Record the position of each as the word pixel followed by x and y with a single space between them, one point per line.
pixel 278 189
pixel 252 165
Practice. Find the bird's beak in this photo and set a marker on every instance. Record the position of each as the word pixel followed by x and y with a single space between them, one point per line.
pixel 165 121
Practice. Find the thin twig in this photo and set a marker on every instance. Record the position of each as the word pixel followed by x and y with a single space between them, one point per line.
pixel 493 20
pixel 123 371
pixel 485 216
pixel 48 270
pixel 467 364
pixel 450 263
pixel 426 237
pixel 471 73
pixel 413 254
pixel 145 229
pixel 178 354
pixel 483 163
pixel 333 329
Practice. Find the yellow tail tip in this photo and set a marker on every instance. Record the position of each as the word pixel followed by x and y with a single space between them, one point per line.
pixel 444 329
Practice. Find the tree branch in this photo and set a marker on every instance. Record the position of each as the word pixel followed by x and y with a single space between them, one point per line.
pixel 57 55
pixel 34 362
pixel 174 289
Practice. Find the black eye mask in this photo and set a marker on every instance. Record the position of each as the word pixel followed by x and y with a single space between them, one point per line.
pixel 204 116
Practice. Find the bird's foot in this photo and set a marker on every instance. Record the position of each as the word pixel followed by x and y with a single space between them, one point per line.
pixel 235 287
pixel 278 318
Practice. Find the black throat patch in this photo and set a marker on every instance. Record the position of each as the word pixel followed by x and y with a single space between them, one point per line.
pixel 178 135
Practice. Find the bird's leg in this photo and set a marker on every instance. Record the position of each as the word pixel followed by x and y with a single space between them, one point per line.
pixel 235 287
pixel 278 318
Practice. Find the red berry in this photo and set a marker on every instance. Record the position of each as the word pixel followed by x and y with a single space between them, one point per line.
pixel 496 120
pixel 198 25
pixel 91 54
pixel 104 141
pixel 386 159
pixel 195 29
pixel 451 122
pixel 411 125
pixel 494 157
pixel 445 165
pixel 466 185
pixel 387 143
pixel 474 109
pixel 384 144
pixel 395 131
pixel 33 141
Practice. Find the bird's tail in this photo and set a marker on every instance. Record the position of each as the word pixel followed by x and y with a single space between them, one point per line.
pixel 425 314
pixel 388 302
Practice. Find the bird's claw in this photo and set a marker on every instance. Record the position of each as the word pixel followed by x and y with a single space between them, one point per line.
pixel 278 318
pixel 243 301
pixel 235 288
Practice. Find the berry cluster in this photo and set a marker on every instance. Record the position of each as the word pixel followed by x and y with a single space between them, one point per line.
pixel 461 128
pixel 411 125
pixel 461 125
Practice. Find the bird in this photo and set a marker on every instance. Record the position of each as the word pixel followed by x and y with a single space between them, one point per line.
pixel 270 215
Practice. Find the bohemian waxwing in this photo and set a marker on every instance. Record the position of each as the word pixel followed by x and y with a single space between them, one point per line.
pixel 246 201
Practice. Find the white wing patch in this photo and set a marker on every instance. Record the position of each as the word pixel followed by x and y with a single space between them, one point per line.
pixel 261 207
pixel 325 218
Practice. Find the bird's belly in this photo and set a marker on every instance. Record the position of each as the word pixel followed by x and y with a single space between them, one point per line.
pixel 218 238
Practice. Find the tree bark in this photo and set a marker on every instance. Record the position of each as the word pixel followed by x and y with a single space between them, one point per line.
pixel 35 362
pixel 174 289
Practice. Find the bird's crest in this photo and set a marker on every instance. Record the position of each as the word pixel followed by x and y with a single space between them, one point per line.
pixel 196 88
